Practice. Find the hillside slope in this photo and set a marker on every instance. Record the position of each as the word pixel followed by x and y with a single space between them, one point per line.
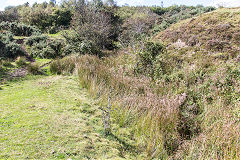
pixel 217 31
pixel 203 54
pixel 182 101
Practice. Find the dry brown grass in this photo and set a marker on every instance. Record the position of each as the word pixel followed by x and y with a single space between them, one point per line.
pixel 196 116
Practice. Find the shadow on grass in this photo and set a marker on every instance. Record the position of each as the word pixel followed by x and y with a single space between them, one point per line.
pixel 125 147
pixel 3 74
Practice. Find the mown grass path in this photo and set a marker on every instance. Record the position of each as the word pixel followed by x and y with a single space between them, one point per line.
pixel 53 118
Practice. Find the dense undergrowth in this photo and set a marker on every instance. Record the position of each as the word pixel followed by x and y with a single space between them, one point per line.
pixel 173 14
pixel 173 117
pixel 178 105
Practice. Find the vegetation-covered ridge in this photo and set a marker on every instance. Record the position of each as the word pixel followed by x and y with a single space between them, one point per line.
pixel 217 31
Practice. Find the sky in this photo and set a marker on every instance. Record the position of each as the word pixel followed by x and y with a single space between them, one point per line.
pixel 228 3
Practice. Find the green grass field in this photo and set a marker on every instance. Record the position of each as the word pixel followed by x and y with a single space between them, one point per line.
pixel 52 117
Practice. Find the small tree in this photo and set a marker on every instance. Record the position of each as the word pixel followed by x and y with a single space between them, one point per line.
pixel 93 23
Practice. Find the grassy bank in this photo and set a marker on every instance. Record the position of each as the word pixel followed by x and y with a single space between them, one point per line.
pixel 53 118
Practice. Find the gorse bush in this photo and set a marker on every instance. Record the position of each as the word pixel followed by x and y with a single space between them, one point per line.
pixel 150 52
pixel 7 37
pixel 12 50
pixel 35 39
pixel 43 47
pixel 152 60
pixel 19 29
pixel 8 48
pixel 77 45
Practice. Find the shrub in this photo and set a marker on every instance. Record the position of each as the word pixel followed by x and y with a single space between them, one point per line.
pixel 21 62
pixel 19 29
pixel 95 27
pixel 63 66
pixel 34 69
pixel 37 49
pixel 10 50
pixel 47 18
pixel 68 49
pixel 43 47
pixel 35 39
pixel 48 52
pixel 8 16
pixel 7 37
pixel 77 44
pixel 148 56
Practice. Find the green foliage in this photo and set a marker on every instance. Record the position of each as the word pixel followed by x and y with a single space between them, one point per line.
pixel 8 48
pixel 48 18
pixel 19 29
pixel 150 59
pixel 95 27
pixel 7 37
pixel 61 17
pixel 174 14
pixel 9 16
pixel 75 44
pixel 35 39
pixel 43 47
pixel 151 51
pixel 13 50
